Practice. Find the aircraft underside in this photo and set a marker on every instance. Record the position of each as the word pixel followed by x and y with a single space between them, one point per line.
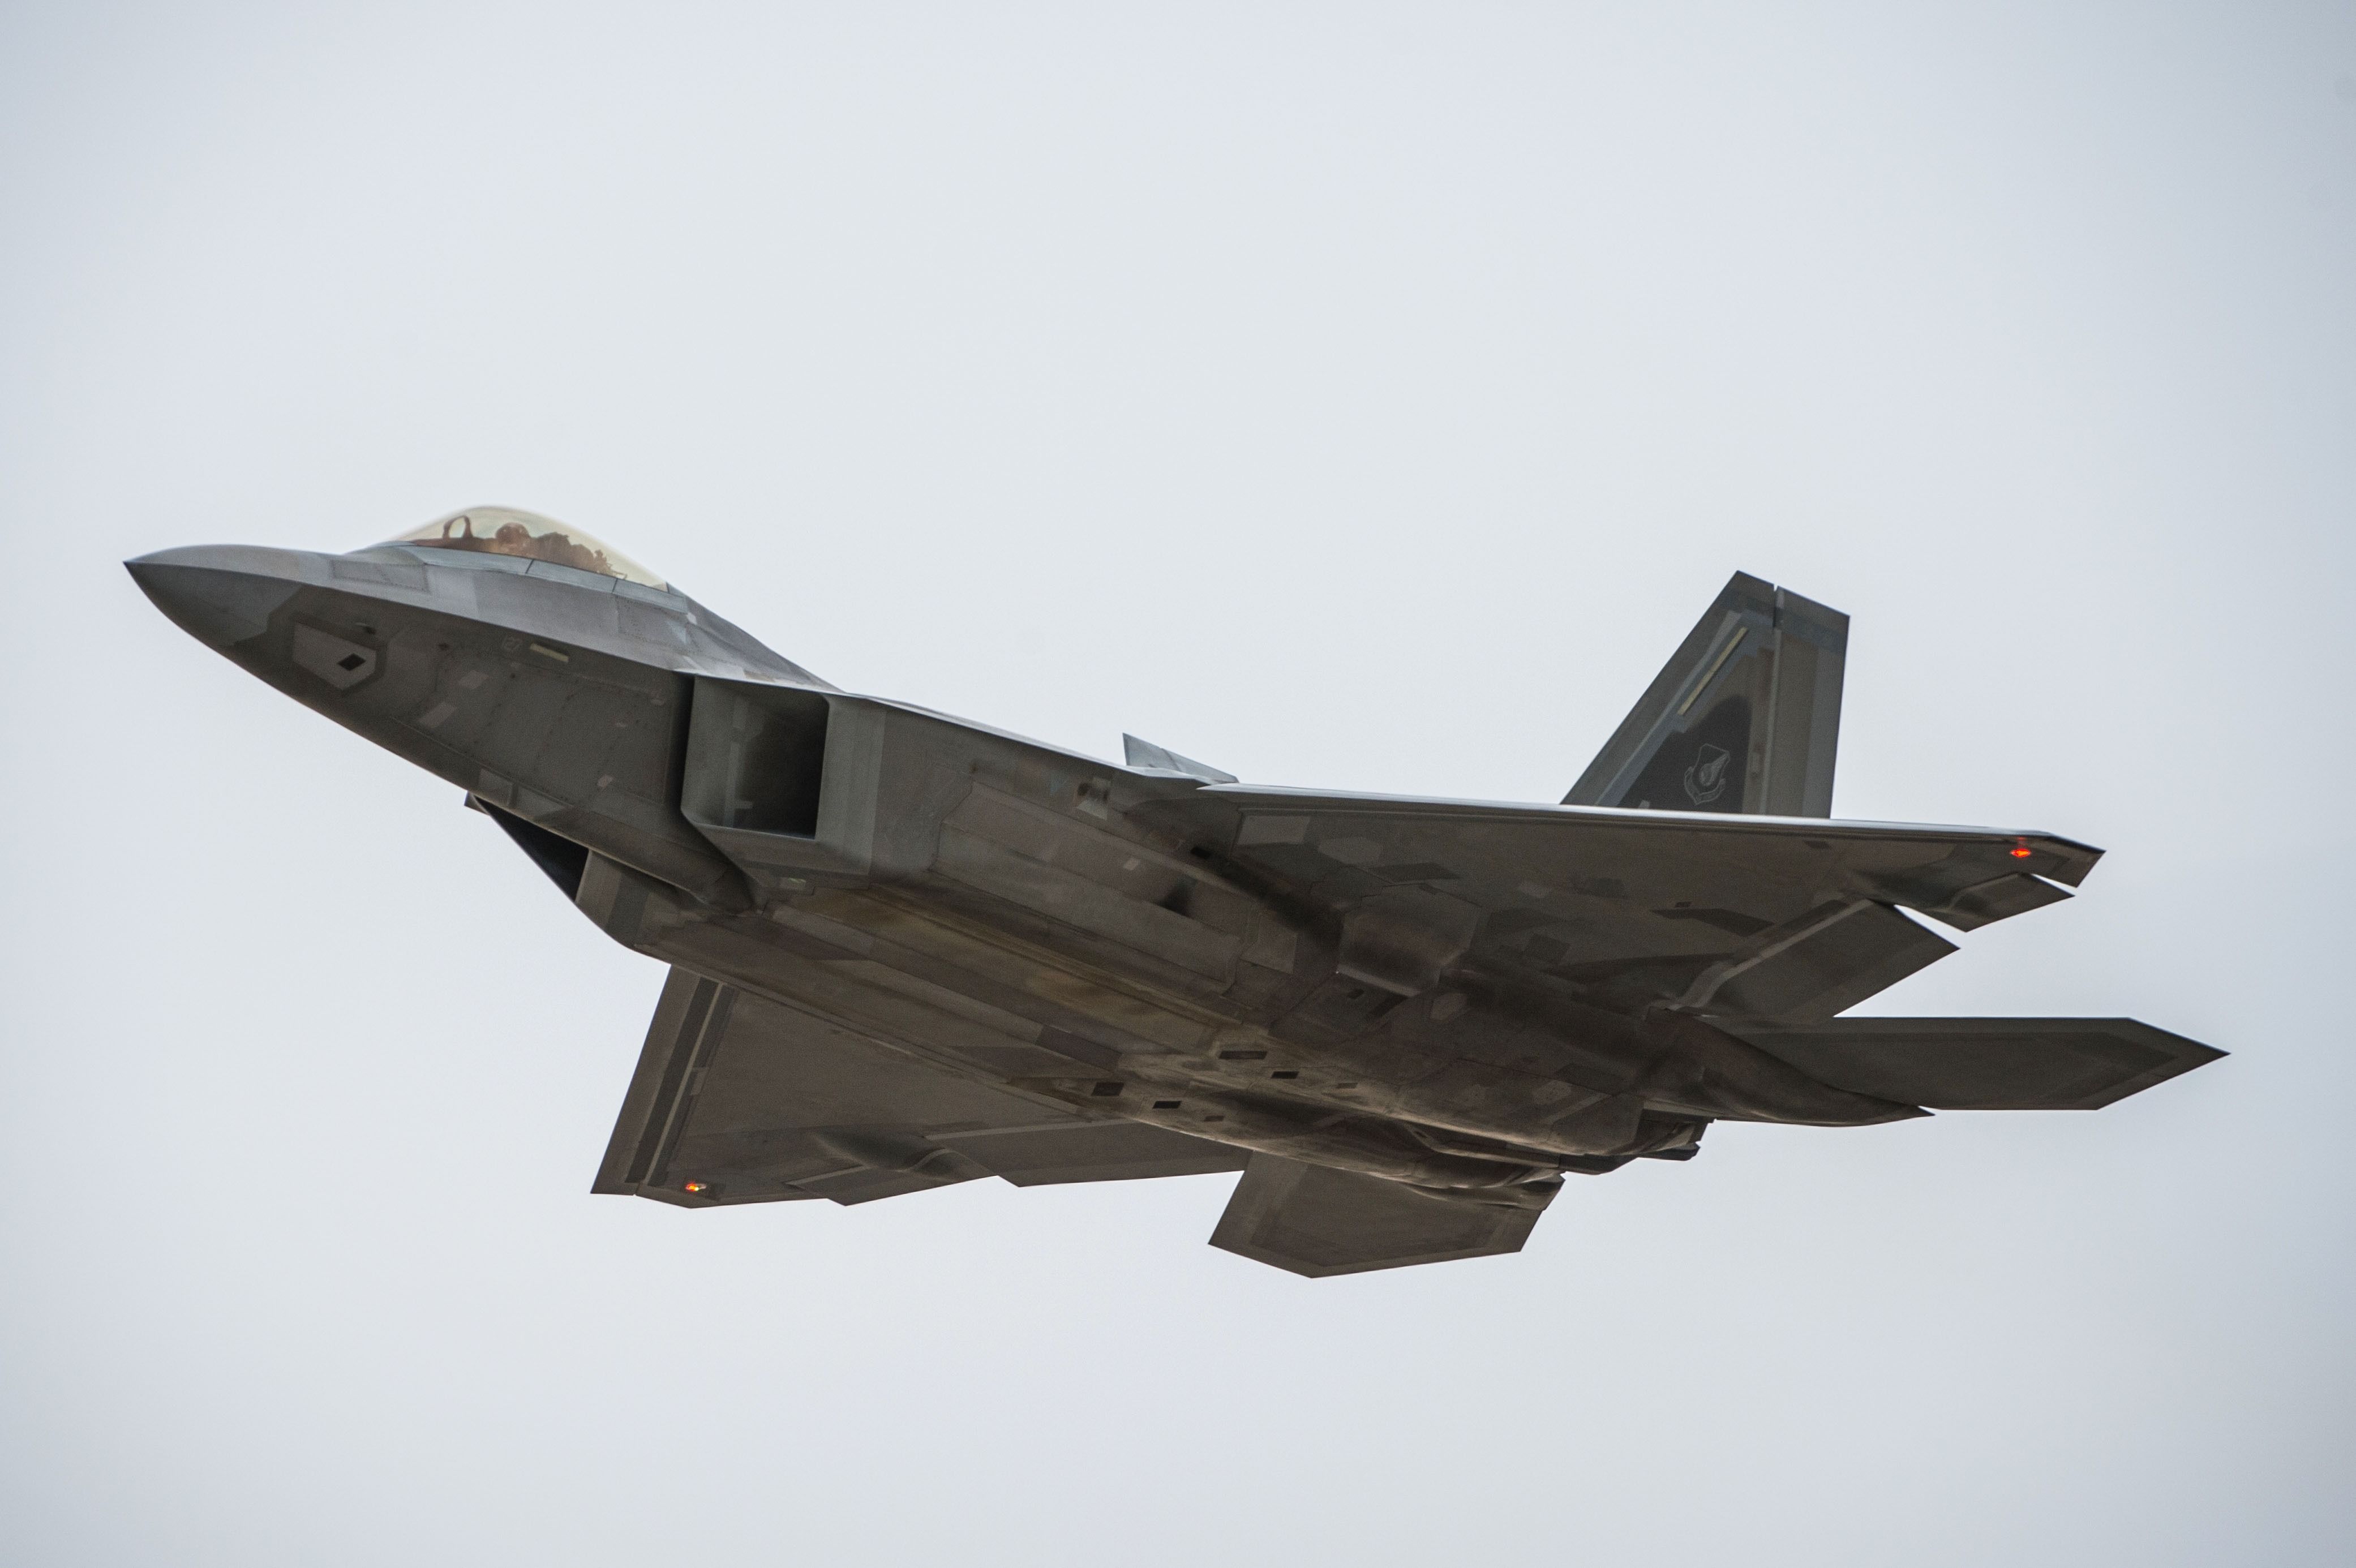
pixel 909 952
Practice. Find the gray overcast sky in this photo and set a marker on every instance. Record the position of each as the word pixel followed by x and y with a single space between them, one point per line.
pixel 1361 395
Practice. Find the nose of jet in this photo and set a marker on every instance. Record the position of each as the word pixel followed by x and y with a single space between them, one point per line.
pixel 220 594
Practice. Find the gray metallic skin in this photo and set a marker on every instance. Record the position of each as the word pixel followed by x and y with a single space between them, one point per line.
pixel 910 951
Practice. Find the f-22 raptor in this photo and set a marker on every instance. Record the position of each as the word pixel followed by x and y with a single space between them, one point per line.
pixel 908 951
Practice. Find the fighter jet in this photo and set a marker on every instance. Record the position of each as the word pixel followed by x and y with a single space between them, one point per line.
pixel 908 951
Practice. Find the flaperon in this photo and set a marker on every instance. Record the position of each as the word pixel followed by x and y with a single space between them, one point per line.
pixel 908 951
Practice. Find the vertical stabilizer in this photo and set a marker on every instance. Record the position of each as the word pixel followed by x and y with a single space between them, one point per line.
pixel 1745 717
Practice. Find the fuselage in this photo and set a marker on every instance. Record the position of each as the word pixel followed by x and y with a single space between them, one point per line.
pixel 998 907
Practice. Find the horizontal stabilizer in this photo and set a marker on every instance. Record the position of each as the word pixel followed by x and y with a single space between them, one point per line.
pixel 1988 1064
pixel 1315 1220
pixel 1745 717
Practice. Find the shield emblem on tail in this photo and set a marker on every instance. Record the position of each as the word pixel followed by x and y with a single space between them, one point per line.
pixel 1705 780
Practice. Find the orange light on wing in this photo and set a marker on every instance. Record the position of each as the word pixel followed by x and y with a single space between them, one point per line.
pixel 695 1186
pixel 2022 851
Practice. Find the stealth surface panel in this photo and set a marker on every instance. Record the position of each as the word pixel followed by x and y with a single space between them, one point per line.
pixel 1315 1220
pixel 1648 902
pixel 1988 1064
pixel 737 1100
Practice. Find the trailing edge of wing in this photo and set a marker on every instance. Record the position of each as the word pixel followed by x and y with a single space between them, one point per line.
pixel 1988 1064
pixel 1744 718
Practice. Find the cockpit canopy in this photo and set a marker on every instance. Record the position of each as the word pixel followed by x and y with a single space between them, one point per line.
pixel 505 530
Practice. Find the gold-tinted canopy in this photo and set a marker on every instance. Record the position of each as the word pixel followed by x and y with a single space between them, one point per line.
pixel 506 530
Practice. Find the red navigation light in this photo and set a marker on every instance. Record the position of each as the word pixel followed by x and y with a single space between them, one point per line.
pixel 2022 851
pixel 695 1186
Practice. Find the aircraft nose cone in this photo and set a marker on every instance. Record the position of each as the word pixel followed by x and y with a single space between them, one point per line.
pixel 220 594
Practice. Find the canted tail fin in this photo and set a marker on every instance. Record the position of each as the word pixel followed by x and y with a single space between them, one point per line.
pixel 1745 717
